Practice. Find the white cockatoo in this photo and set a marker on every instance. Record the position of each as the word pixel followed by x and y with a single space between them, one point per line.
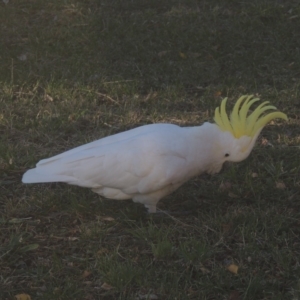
pixel 148 163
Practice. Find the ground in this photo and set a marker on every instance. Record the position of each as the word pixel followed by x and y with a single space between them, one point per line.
pixel 75 71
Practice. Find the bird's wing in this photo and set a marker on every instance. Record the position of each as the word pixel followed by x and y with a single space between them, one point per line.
pixel 140 163
pixel 109 140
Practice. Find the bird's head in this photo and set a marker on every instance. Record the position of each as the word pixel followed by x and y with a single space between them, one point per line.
pixel 240 130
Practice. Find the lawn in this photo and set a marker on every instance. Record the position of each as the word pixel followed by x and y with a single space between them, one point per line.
pixel 76 71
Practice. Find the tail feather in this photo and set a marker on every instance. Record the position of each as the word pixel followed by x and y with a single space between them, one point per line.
pixel 33 176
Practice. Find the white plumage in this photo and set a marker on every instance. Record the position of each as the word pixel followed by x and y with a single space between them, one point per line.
pixel 146 163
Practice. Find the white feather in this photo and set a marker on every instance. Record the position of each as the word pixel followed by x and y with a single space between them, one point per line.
pixel 143 164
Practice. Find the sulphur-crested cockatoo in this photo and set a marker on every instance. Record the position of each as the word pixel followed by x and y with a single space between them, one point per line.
pixel 149 162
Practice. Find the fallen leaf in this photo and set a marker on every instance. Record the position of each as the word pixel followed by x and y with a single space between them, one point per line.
pixel 48 98
pixel 233 268
pixel 86 273
pixel 23 297
pixel 217 94
pixel 71 117
pixel 280 185
pixel 225 186
pixel 162 53
pixel 182 55
pixel 109 219
pixel 102 251
pixel 204 270
pixel 106 286
pixel 265 142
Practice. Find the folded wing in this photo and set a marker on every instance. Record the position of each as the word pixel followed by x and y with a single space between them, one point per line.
pixel 139 161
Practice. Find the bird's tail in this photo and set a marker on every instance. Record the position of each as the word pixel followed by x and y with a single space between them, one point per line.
pixel 34 176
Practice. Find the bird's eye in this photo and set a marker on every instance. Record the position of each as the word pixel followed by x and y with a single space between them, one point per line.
pixel 226 155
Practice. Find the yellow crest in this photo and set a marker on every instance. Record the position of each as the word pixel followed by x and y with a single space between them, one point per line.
pixel 240 124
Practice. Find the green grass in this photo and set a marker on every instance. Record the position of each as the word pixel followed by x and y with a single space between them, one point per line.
pixel 75 71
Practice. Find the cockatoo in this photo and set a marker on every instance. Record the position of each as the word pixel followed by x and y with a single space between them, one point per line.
pixel 150 162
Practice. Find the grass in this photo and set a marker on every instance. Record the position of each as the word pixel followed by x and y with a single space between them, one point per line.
pixel 75 71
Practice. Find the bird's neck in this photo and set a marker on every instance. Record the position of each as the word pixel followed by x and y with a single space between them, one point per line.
pixel 204 138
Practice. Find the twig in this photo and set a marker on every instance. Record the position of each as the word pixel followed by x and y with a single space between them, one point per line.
pixel 108 97
pixel 118 81
pixel 178 221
